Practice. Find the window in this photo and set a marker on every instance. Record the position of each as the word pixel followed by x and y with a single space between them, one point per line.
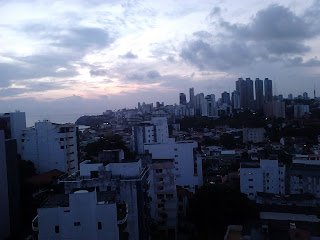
pixel 56 229
pixel 158 170
pixel 99 225
pixel 160 196
pixel 108 188
pixel 22 140
pixel 169 195
pixel 250 179
pixel 76 224
pixel 72 160
pixel 160 205
pixel 160 180
pixel 176 149
pixel 249 173
pixel 160 188
pixel 250 186
pixel 61 139
pixel 66 210
pixel 94 174
pixel 70 137
pixel 61 147
pixel 71 145
pixel 175 155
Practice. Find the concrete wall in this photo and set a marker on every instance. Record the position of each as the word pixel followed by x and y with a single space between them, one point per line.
pixel 131 169
pixel 83 208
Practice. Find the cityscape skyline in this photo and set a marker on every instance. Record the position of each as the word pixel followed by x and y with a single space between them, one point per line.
pixel 78 57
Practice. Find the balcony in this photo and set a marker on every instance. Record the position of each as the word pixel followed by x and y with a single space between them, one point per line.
pixel 35 225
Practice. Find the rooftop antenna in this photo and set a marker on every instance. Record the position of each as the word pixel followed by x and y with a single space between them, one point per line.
pixel 275 88
pixel 314 91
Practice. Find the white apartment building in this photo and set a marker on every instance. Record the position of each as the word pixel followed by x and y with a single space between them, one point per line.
pixel 83 215
pixel 130 181
pixel 51 146
pixel 14 123
pixel 163 192
pixel 268 177
pixel 209 106
pixel 255 135
pixel 188 166
pixel 154 131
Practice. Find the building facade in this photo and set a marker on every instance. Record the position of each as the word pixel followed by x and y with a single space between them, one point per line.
pixel 51 146
pixel 268 176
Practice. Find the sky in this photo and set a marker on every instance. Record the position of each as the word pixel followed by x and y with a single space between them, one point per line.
pixel 62 59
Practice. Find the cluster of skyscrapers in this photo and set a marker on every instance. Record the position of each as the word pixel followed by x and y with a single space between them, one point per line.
pixel 246 95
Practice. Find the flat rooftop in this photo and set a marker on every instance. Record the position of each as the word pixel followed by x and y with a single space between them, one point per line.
pixel 289 217
pixel 62 200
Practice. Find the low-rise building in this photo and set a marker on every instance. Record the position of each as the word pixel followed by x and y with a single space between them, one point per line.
pixel 82 214
pixel 267 176
pixel 255 135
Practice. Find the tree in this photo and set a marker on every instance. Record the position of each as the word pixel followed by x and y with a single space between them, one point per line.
pixel 214 207
pixel 107 143
pixel 227 140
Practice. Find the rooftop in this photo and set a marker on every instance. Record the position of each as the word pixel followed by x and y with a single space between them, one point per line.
pixel 62 200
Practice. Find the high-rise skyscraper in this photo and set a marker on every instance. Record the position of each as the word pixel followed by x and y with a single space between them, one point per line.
pixel 242 90
pixel 191 95
pixel 259 93
pixel 290 97
pixel 225 97
pixel 267 90
pixel 182 99
pixel 245 89
pixel 235 100
pixel 249 95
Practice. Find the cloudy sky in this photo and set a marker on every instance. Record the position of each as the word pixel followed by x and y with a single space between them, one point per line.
pixel 66 58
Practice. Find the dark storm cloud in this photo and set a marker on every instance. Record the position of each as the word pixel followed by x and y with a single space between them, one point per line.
pixel 144 77
pixel 129 55
pixel 84 38
pixel 221 56
pixel 70 45
pixel 274 22
pixel 153 74
pixel 274 34
pixel 32 87
pixel 298 62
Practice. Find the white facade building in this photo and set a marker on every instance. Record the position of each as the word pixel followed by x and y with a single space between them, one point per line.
pixel 154 131
pixel 188 166
pixel 268 177
pixel 51 146
pixel 255 135
pixel 130 182
pixel 81 215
